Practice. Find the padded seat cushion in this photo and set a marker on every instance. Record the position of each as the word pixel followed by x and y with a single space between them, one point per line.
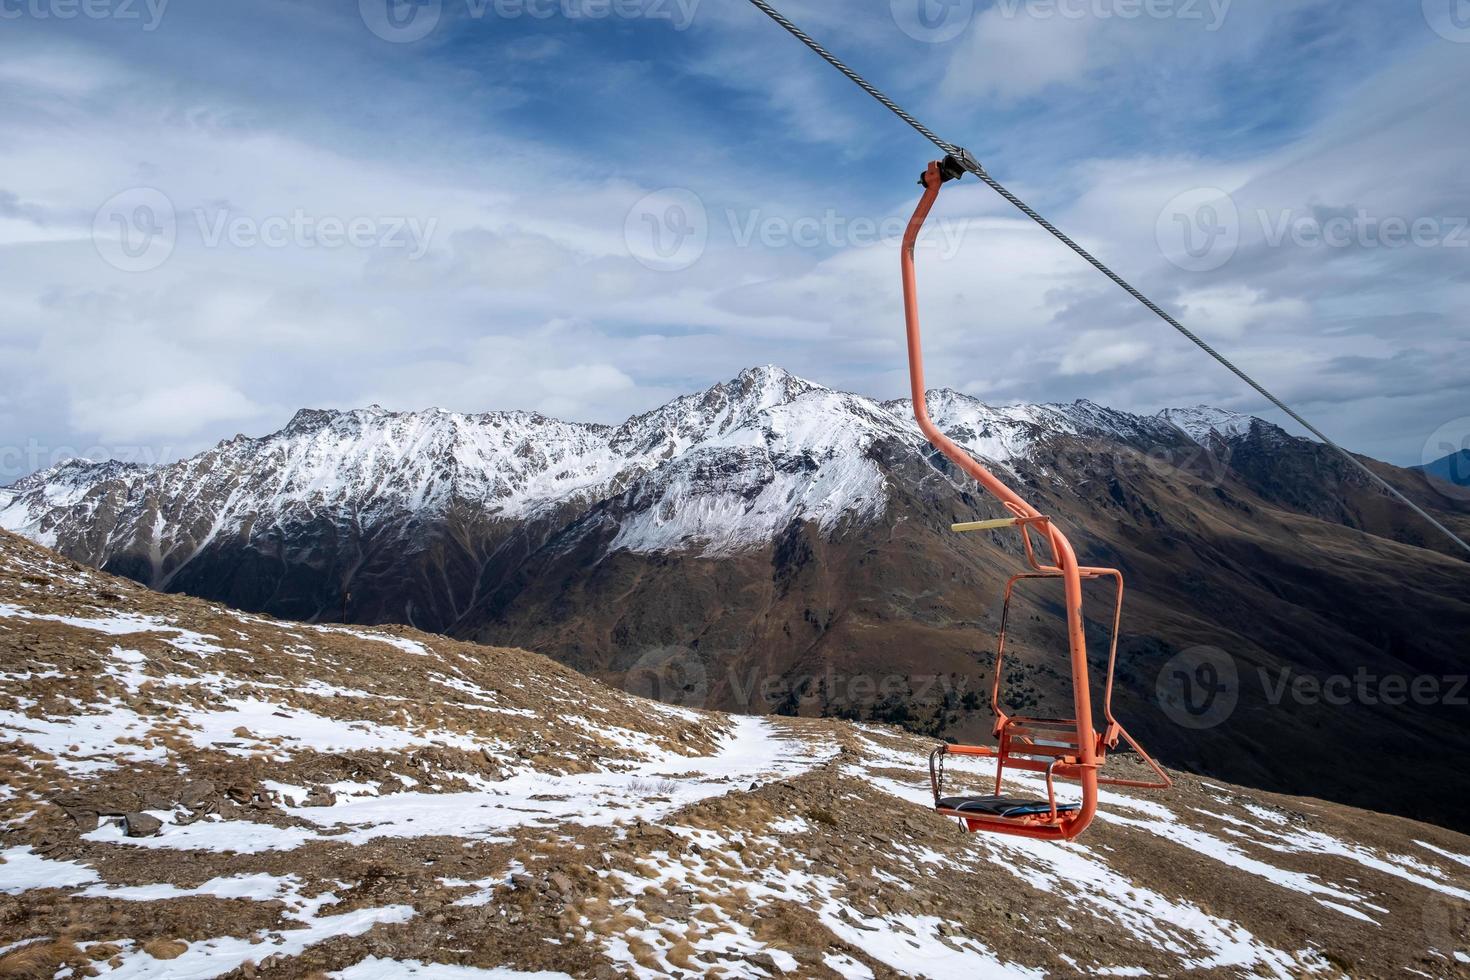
pixel 1002 806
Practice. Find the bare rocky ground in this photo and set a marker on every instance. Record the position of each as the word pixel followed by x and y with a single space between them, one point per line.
pixel 190 791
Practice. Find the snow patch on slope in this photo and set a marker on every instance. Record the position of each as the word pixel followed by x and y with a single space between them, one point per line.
pixel 23 870
pixel 374 968
pixel 648 792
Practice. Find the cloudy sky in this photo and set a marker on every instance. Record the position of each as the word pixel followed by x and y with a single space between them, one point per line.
pixel 214 213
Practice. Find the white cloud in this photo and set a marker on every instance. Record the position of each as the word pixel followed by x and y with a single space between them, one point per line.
pixel 1097 351
pixel 1014 57
pixel 1021 48
pixel 172 408
pixel 527 296
pixel 1228 311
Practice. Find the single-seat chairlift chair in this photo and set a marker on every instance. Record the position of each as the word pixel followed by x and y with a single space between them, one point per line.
pixel 1065 748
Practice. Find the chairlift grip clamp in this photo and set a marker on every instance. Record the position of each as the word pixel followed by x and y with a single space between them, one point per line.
pixel 955 165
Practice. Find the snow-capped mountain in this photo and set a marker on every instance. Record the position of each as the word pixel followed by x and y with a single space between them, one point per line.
pixel 719 472
pixel 769 540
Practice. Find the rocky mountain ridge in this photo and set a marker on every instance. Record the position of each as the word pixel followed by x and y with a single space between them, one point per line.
pixel 376 465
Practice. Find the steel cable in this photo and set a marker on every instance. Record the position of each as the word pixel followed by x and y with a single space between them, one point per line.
pixel 974 167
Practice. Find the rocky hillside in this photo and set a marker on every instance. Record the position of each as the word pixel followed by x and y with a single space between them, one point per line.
pixel 192 791
pixel 773 545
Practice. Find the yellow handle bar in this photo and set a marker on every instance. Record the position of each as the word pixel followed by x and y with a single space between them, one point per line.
pixel 994 525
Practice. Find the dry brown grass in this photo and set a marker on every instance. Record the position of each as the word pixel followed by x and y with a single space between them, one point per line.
pixel 43 959
pixel 681 954
pixel 165 949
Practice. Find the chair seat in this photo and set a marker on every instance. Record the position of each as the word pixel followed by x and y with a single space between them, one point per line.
pixel 1002 806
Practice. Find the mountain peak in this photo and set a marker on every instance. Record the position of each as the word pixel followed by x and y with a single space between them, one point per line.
pixel 769 384
pixel 1203 421
pixel 764 372
pixel 310 420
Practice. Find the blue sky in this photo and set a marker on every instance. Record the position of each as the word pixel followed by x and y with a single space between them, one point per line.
pixel 212 214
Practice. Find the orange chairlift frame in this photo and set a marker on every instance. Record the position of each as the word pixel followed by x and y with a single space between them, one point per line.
pixel 1066 748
